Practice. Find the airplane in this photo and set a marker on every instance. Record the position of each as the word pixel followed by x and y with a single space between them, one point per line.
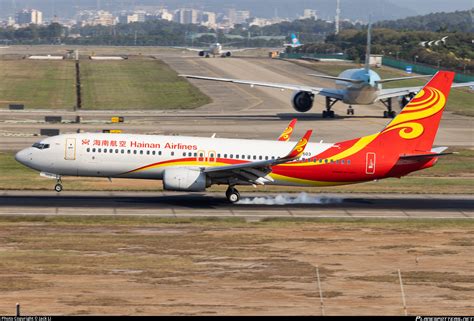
pixel 215 49
pixel 192 164
pixel 361 86
pixel 295 43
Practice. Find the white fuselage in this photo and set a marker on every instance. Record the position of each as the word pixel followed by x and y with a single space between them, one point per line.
pixel 364 93
pixel 146 156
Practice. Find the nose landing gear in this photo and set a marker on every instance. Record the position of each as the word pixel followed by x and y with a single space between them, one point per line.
pixel 232 194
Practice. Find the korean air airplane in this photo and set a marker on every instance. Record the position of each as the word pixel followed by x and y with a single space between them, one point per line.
pixel 192 164
pixel 360 86
pixel 295 43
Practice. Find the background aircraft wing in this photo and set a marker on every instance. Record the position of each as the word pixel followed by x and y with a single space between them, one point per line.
pixel 402 91
pixel 256 172
pixel 329 92
pixel 191 49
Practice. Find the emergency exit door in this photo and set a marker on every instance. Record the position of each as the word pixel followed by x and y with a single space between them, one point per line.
pixel 370 164
pixel 70 153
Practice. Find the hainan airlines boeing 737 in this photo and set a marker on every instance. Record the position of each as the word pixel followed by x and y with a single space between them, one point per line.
pixel 193 164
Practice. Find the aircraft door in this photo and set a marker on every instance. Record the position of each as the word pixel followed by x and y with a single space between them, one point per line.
pixel 70 149
pixel 370 163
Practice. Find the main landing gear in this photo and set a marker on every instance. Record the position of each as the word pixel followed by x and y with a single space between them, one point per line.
pixel 232 194
pixel 58 187
pixel 389 113
pixel 328 113
pixel 350 110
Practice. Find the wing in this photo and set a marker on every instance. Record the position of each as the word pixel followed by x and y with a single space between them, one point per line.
pixel 256 172
pixel 191 49
pixel 285 136
pixel 402 91
pixel 328 92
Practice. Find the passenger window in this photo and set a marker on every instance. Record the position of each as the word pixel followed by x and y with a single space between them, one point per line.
pixel 93 150
pixel 320 160
pixel 225 155
pixel 159 153
pixel 190 154
pixel 260 157
pixel 266 157
pixel 122 151
pixel 231 156
pixel 172 153
pixel 99 150
pixel 184 154
pixel 326 161
pixel 105 150
pixel 237 156
pixel 88 149
pixel 342 162
pixel 153 152
pixel 348 162
pixel 135 151
pixel 218 155
pixel 141 152
pixel 128 151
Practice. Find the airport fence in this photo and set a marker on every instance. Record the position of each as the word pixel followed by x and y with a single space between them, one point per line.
pixel 422 68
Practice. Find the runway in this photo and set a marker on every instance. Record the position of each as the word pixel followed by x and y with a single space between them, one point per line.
pixel 251 207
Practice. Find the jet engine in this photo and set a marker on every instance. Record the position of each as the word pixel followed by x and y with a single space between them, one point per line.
pixel 185 179
pixel 302 101
pixel 202 53
pixel 404 100
pixel 228 54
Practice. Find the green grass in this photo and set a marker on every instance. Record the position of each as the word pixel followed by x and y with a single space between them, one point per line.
pixel 461 100
pixel 136 84
pixel 37 84
pixel 453 174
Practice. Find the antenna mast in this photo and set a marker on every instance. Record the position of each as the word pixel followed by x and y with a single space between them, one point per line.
pixel 338 14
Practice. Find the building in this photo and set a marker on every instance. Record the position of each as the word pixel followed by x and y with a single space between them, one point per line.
pixel 29 16
pixel 241 16
pixel 209 19
pixel 310 13
pixel 187 16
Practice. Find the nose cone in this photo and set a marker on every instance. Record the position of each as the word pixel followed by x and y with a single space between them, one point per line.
pixel 22 156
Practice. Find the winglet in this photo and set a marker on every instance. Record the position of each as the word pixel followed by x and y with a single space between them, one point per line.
pixel 285 136
pixel 299 148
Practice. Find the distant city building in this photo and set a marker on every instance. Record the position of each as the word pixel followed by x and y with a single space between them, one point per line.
pixel 310 13
pixel 96 18
pixel 29 16
pixel 186 16
pixel 241 16
pixel 209 19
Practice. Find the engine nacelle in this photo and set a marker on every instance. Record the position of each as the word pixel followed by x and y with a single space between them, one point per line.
pixel 302 101
pixel 185 179
pixel 202 53
pixel 228 54
pixel 404 100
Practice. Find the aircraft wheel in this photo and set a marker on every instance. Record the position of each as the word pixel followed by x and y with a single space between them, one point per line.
pixel 58 187
pixel 392 114
pixel 325 113
pixel 331 114
pixel 232 194
pixel 385 114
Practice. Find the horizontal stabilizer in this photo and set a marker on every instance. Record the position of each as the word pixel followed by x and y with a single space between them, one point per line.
pixel 381 81
pixel 423 156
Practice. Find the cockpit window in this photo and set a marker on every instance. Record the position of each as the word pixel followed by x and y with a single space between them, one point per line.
pixel 40 145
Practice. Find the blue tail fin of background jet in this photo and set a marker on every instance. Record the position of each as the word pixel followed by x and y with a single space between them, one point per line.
pixel 294 40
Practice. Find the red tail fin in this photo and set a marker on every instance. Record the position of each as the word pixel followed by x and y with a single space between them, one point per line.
pixel 416 126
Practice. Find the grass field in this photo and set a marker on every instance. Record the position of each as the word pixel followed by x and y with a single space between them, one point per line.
pixel 148 266
pixel 454 174
pixel 461 100
pixel 136 83
pixel 139 83
pixel 37 84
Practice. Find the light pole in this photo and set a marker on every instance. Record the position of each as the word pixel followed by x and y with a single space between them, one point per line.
pixel 416 57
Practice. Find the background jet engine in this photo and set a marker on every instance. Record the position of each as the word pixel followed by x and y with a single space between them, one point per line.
pixel 302 101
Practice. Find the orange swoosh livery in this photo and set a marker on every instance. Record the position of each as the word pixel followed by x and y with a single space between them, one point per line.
pixel 286 135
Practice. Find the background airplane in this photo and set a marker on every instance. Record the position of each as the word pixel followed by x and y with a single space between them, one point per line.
pixel 193 164
pixel 361 86
pixel 295 43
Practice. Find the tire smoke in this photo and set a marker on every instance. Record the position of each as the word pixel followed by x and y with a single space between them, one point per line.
pixel 285 199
